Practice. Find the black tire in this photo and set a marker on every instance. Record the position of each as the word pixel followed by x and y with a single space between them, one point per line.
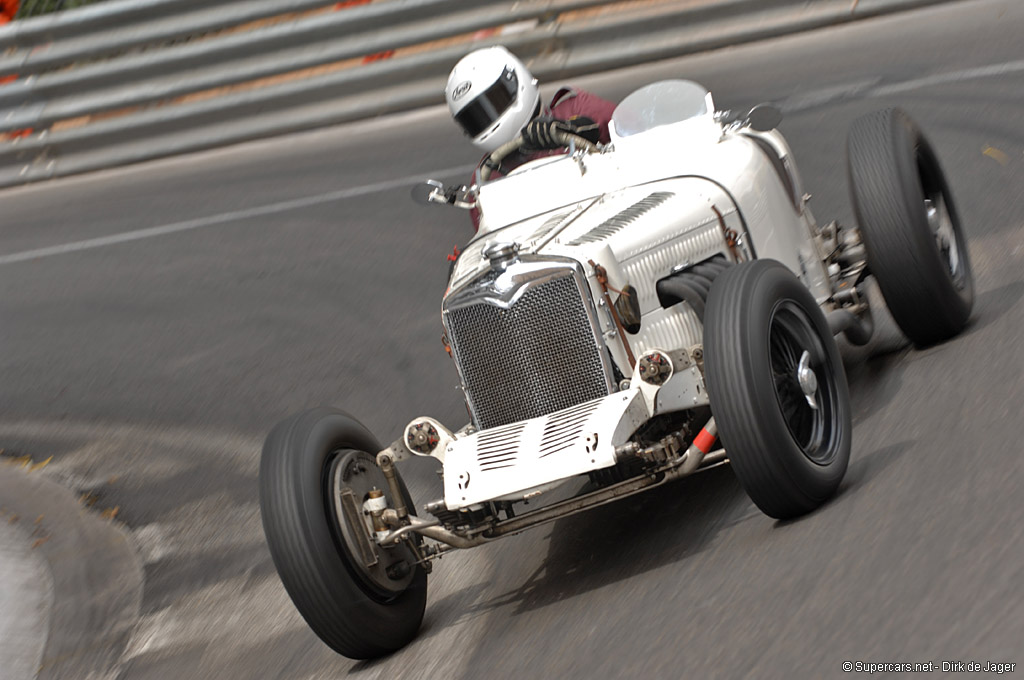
pixel 896 183
pixel 359 612
pixel 788 457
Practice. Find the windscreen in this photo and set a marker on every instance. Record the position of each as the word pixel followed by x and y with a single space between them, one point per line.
pixel 661 103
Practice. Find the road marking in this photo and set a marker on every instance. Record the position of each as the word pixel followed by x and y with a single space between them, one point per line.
pixel 222 218
pixel 988 71
pixel 996 155
pixel 872 87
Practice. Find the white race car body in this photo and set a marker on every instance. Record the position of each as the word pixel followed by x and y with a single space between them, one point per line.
pixel 656 201
pixel 607 291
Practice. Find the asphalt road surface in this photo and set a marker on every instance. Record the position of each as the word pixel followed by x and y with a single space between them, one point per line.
pixel 165 316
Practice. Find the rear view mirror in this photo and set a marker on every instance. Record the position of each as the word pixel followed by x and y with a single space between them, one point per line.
pixel 764 117
pixel 425 192
pixel 432 191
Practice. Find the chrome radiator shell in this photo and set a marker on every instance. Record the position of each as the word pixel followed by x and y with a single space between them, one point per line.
pixel 526 341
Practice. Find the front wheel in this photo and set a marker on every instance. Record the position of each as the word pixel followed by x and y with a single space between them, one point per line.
pixel 915 245
pixel 316 471
pixel 777 388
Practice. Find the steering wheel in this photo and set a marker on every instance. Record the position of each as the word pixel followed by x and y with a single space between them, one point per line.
pixel 502 152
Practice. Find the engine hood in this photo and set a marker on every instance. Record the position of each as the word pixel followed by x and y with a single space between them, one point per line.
pixel 637 225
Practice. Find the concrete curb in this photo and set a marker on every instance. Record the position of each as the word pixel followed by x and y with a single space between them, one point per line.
pixel 26 597
pixel 96 576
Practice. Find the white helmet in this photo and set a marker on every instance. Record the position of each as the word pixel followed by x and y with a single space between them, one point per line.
pixel 492 96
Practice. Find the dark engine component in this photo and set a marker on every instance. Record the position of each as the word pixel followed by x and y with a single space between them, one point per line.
pixel 692 284
pixel 655 368
pixel 422 438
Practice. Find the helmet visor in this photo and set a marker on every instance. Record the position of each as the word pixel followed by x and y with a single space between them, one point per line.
pixel 487 107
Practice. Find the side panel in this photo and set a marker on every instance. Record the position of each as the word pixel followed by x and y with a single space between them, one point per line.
pixel 642 234
pixel 779 230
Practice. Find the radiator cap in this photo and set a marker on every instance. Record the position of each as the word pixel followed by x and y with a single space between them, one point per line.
pixel 501 254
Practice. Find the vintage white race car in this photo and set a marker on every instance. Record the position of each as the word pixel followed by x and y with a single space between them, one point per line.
pixel 625 316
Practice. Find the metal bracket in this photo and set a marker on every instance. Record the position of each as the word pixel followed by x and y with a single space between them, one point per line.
pixel 396 452
pixel 353 516
pixel 683 389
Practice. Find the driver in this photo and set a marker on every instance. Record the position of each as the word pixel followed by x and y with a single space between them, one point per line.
pixel 494 97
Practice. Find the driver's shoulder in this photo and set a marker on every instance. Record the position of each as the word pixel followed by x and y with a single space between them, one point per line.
pixel 563 95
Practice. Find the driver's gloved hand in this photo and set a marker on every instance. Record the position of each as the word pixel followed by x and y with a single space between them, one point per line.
pixel 540 133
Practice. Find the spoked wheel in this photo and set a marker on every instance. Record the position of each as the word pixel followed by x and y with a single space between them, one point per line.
pixel 915 245
pixel 316 472
pixel 807 406
pixel 777 388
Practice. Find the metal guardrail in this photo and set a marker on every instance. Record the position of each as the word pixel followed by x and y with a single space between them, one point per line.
pixel 34 8
pixel 130 80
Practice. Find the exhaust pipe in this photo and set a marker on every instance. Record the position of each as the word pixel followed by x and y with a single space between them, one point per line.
pixel 858 330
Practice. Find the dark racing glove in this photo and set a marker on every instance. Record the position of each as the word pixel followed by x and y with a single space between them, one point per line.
pixel 540 133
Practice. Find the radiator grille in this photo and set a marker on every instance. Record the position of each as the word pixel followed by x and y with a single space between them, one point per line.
pixel 534 358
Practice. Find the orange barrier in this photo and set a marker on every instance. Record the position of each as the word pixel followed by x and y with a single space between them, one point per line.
pixel 8 10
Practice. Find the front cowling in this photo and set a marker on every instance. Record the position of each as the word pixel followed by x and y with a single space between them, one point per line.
pixel 526 340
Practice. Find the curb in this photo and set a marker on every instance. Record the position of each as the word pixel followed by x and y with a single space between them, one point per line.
pixel 26 598
pixel 96 576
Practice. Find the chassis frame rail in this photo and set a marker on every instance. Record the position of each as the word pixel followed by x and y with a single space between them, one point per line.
pixel 680 467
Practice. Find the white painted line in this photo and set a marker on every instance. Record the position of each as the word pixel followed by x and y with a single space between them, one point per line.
pixel 871 87
pixel 828 95
pixel 235 215
pixel 989 71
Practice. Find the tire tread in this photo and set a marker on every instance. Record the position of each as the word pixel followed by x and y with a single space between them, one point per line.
pixel 889 204
pixel 750 424
pixel 311 566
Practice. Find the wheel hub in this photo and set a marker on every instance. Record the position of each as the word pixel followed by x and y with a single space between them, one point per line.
pixel 806 399
pixel 807 379
pixel 385 570
pixel 942 227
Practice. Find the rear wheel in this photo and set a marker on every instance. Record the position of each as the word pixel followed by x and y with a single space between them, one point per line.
pixel 777 388
pixel 915 245
pixel 317 470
